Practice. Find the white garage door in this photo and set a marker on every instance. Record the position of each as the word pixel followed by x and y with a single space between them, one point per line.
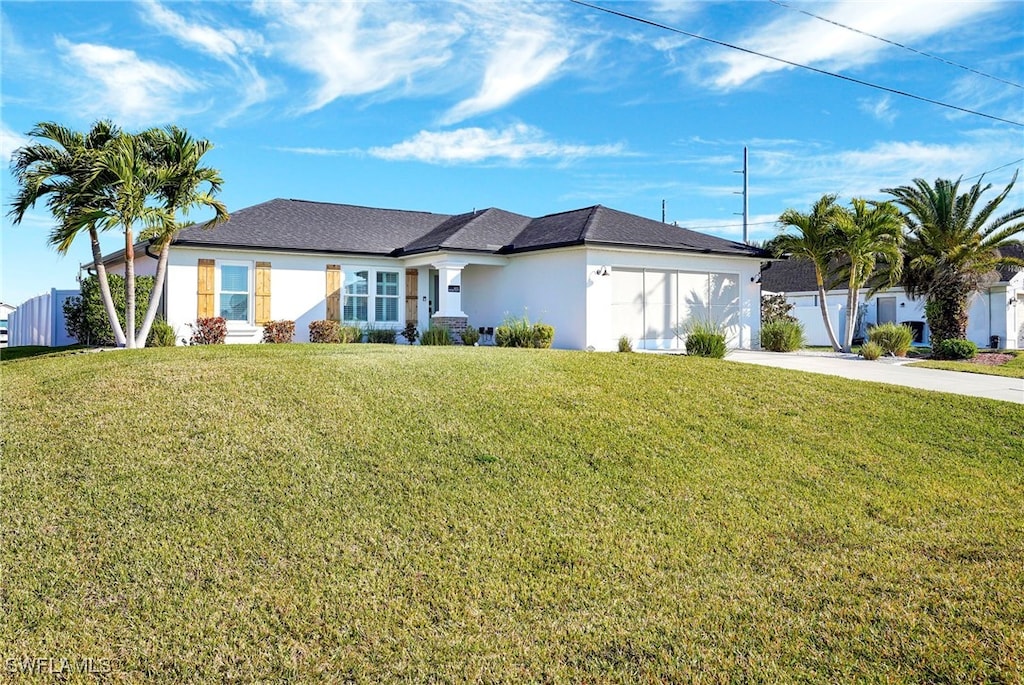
pixel 653 307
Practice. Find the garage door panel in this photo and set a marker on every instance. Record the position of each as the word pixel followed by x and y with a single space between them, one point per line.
pixel 659 310
pixel 628 303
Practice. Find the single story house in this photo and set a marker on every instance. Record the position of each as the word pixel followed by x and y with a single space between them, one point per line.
pixel 995 312
pixel 595 273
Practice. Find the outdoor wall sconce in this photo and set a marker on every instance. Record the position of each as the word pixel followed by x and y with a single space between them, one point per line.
pixel 602 271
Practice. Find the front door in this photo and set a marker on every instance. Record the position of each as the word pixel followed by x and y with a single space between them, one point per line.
pixel 886 310
pixel 411 295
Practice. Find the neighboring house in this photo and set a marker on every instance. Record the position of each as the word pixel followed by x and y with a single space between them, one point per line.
pixel 595 274
pixel 5 313
pixel 40 321
pixel 997 311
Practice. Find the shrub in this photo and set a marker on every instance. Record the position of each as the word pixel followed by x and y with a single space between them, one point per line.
pixel 85 317
pixel 871 351
pixel 282 331
pixel 384 336
pixel 437 335
pixel 161 335
pixel 350 334
pixel 894 338
pixel 517 331
pixel 955 348
pixel 705 339
pixel 410 333
pixel 625 343
pixel 470 336
pixel 211 330
pixel 782 335
pixel 324 331
pixel 775 308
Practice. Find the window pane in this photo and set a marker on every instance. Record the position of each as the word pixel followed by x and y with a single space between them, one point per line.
pixel 357 283
pixel 234 278
pixel 355 308
pixel 234 307
pixel 387 283
pixel 386 309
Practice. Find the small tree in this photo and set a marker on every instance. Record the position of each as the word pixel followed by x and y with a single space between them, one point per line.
pixel 85 314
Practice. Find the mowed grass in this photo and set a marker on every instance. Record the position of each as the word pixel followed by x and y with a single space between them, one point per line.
pixel 1011 369
pixel 379 513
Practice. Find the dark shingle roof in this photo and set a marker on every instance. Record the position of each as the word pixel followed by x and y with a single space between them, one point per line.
pixel 1008 272
pixel 325 227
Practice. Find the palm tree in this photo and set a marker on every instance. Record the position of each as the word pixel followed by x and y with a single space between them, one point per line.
pixel 123 199
pixel 816 242
pixel 952 247
pixel 870 233
pixel 183 185
pixel 63 169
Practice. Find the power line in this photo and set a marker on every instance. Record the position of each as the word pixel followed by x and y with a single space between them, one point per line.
pixel 894 91
pixel 899 45
pixel 1016 161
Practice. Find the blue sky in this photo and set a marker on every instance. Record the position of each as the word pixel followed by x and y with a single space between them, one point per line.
pixel 532 107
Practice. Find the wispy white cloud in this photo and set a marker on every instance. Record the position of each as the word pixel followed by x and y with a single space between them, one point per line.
pixel 10 140
pixel 516 143
pixel 522 49
pixel 805 40
pixel 230 46
pixel 357 48
pixel 117 83
pixel 879 108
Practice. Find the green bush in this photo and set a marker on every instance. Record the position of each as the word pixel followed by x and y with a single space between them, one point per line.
pixel 282 331
pixel 350 334
pixel 955 348
pixel 518 331
pixel 161 334
pixel 437 335
pixel 705 344
pixel 871 351
pixel 775 308
pixel 470 336
pixel 625 343
pixel 324 331
pixel 384 336
pixel 85 317
pixel 210 330
pixel 782 335
pixel 894 338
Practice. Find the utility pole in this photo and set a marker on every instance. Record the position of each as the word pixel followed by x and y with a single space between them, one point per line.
pixel 662 211
pixel 746 204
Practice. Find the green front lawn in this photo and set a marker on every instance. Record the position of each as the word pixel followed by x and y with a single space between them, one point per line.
pixel 1012 369
pixel 380 513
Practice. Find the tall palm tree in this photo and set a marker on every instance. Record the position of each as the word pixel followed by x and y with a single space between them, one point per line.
pixel 816 241
pixel 184 184
pixel 952 247
pixel 870 234
pixel 62 167
pixel 125 200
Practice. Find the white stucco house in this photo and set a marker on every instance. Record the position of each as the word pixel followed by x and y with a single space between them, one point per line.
pixel 997 311
pixel 595 273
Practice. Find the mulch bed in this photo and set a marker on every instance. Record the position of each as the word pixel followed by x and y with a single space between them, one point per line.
pixel 989 359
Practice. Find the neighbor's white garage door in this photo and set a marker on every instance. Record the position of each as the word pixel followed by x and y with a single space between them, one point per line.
pixel 653 307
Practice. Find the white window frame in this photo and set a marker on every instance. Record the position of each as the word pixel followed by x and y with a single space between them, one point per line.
pixel 371 295
pixel 251 291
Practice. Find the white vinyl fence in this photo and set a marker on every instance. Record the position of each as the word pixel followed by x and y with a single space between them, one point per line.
pixel 40 321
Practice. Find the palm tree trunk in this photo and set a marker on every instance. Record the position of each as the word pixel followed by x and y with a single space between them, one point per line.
pixel 154 296
pixel 129 288
pixel 101 277
pixel 851 311
pixel 836 347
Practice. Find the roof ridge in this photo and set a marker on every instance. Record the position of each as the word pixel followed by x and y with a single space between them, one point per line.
pixel 346 204
pixel 589 222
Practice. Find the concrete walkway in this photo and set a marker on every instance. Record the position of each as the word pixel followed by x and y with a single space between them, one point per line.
pixel 889 370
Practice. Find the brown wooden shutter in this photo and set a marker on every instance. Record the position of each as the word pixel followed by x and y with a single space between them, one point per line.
pixel 333 294
pixel 204 302
pixel 262 293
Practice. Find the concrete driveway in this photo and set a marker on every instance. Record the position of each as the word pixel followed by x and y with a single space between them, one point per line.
pixel 889 370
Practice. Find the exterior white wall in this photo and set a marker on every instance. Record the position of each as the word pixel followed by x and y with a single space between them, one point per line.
pixel 548 286
pixel 602 332
pixel 297 288
pixel 990 313
pixel 40 321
